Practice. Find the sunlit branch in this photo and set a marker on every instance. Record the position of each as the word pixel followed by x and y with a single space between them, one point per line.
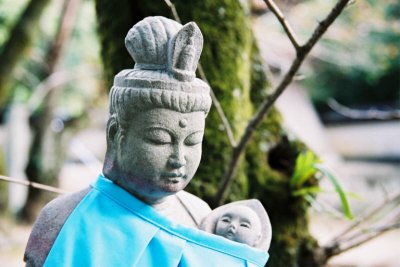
pixel 219 109
pixel 363 237
pixel 368 215
pixel 362 114
pixel 285 24
pixel 173 10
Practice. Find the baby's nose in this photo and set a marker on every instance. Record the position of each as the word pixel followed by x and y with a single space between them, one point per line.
pixel 232 227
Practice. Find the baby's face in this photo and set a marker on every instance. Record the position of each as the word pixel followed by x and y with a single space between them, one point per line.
pixel 240 224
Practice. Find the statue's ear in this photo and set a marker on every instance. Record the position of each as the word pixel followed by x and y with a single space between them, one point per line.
pixel 112 131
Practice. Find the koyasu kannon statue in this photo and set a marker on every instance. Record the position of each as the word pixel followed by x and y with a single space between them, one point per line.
pixel 137 213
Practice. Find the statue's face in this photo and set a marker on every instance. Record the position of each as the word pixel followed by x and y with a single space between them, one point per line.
pixel 240 224
pixel 160 152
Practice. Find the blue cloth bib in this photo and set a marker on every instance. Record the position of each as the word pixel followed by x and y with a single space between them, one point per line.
pixel 110 227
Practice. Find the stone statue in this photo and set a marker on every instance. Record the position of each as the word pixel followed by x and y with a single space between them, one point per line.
pixel 137 213
pixel 244 221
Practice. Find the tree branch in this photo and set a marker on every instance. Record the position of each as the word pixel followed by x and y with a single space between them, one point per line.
pixel 270 100
pixel 365 236
pixel 215 101
pixel 173 10
pixel 285 24
pixel 219 109
pixel 385 214
pixel 368 215
pixel 68 16
pixel 362 114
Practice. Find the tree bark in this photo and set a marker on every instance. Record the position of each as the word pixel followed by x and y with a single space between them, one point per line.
pixel 17 44
pixel 233 67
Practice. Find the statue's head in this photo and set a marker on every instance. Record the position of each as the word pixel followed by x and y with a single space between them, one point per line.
pixel 157 111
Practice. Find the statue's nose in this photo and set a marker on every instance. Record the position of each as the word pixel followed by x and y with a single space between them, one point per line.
pixel 177 159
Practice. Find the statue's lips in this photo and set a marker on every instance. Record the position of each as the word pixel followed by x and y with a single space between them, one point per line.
pixel 173 176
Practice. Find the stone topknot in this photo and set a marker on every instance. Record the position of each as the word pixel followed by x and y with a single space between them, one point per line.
pixel 158 43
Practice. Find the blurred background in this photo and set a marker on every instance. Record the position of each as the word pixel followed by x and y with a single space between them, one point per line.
pixel 344 105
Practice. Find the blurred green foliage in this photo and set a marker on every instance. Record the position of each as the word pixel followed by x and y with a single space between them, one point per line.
pixel 80 59
pixel 358 60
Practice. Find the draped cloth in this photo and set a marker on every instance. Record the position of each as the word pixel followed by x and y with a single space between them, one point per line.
pixel 110 227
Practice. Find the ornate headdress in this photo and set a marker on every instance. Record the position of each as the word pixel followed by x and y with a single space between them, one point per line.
pixel 166 55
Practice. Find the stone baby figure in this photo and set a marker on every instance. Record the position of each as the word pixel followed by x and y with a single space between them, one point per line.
pixel 137 213
pixel 243 221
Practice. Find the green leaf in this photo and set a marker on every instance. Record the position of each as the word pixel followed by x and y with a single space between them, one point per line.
pixel 307 190
pixel 304 168
pixel 338 189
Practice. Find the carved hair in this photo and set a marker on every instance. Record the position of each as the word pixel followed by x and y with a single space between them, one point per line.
pixel 166 55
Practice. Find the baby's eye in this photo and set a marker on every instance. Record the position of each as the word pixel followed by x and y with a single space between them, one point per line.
pixel 245 225
pixel 157 137
pixel 226 219
pixel 194 139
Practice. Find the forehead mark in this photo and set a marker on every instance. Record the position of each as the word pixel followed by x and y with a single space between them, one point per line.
pixel 183 123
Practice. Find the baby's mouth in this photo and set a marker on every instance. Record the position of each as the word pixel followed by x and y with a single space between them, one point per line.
pixel 230 233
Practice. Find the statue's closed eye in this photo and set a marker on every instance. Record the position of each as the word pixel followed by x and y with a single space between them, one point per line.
pixel 157 137
pixel 194 139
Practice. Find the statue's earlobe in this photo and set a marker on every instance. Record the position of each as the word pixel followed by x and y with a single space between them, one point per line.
pixel 112 130
pixel 115 137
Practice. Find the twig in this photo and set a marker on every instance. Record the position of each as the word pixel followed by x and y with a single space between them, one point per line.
pixel 34 185
pixel 173 10
pixel 220 110
pixel 348 240
pixel 269 101
pixel 364 218
pixel 215 101
pixel 53 81
pixel 362 114
pixel 285 24
pixel 377 231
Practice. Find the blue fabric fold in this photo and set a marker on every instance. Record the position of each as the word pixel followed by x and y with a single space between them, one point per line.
pixel 110 227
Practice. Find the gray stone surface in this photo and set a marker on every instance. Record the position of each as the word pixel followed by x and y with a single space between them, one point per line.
pixel 154 133
pixel 48 225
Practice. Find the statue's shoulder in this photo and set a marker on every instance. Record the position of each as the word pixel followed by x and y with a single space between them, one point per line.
pixel 48 225
pixel 197 207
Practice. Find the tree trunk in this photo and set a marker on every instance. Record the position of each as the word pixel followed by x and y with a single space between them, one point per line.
pixel 18 43
pixel 47 152
pixel 232 64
